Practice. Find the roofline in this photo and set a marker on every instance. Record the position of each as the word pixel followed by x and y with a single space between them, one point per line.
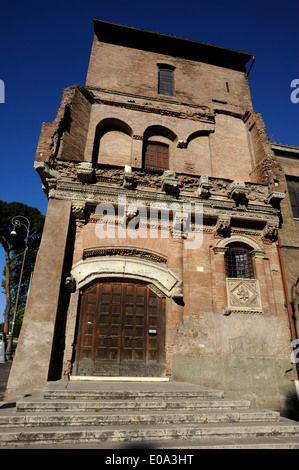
pixel 206 52
pixel 285 148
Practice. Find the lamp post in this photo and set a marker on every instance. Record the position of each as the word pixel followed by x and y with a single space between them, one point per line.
pixel 16 223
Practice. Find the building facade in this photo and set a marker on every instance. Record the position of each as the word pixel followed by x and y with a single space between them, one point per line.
pixel 288 158
pixel 159 254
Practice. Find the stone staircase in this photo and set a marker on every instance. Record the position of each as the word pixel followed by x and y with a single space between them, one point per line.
pixel 163 415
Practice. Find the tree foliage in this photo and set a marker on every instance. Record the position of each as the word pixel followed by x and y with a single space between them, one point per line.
pixel 14 247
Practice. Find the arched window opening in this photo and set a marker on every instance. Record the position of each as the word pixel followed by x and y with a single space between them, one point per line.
pixel 238 261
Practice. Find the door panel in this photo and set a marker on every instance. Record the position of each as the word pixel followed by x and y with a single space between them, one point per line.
pixel 156 156
pixel 121 331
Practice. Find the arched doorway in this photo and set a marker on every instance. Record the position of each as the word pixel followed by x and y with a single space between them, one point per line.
pixel 121 331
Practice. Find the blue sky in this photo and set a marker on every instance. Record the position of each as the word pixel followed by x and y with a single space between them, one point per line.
pixel 45 47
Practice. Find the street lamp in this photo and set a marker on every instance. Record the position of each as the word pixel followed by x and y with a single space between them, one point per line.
pixel 16 223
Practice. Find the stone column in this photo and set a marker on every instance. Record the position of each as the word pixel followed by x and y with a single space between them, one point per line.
pixel 32 359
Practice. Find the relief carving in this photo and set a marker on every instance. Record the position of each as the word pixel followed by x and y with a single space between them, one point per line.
pixel 243 296
pixel 223 225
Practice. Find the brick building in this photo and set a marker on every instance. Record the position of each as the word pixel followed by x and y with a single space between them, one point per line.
pixel 162 123
pixel 288 158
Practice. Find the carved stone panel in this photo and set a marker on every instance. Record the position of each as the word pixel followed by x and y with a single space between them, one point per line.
pixel 243 296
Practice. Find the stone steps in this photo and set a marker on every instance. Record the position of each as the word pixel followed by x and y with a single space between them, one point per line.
pixel 130 433
pixel 97 406
pixel 148 418
pixel 87 413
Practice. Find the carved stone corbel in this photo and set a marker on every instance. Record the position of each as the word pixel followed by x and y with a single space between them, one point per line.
pixel 270 230
pixel 169 182
pixel 78 209
pixel 128 180
pixel 238 192
pixel 131 213
pixel 220 250
pixel 178 293
pixel 182 144
pixel 85 172
pixel 70 284
pixel 204 187
pixel 49 177
pixel 275 198
pixel 223 225
pixel 181 223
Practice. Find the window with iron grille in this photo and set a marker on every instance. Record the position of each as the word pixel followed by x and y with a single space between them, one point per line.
pixel 166 80
pixel 238 261
pixel 293 189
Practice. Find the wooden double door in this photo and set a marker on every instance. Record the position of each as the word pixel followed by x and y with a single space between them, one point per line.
pixel 121 331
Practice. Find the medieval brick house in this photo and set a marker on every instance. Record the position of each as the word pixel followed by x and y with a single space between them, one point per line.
pixel 168 124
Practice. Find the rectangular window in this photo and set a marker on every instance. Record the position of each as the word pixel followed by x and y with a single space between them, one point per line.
pixel 165 80
pixel 238 262
pixel 293 189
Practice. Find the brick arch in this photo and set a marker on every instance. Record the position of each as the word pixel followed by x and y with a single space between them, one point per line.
pixel 104 127
pixel 197 134
pixel 160 137
pixel 155 130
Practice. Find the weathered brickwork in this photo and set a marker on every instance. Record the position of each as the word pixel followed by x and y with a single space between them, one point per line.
pixel 220 157
pixel 288 158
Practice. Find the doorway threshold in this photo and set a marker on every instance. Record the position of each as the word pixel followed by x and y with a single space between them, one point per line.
pixel 119 379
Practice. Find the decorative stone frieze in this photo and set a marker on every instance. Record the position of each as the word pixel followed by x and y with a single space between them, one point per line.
pixel 120 251
pixel 243 296
pixel 85 172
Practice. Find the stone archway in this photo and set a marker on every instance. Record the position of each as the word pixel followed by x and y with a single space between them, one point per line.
pixel 157 276
pixel 140 270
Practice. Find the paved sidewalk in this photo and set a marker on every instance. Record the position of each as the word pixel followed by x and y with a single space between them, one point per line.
pixel 4 373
